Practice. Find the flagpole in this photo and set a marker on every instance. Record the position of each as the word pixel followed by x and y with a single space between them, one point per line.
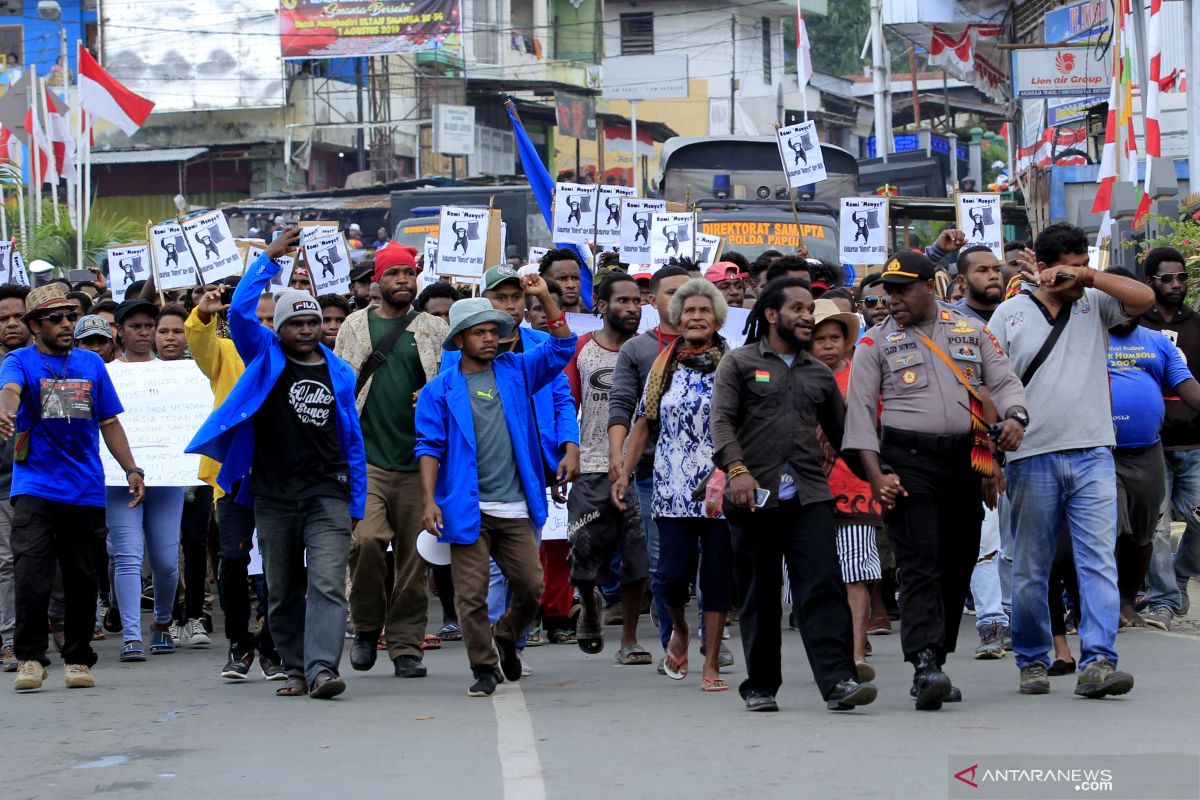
pixel 35 148
pixel 3 215
pixel 79 222
pixel 44 110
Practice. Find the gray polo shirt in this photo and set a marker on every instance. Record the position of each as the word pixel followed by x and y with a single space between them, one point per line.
pixel 1069 402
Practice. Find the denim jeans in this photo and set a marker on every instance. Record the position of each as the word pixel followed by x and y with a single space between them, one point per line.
pixel 308 616
pixel 1170 572
pixel 1005 560
pixel 985 578
pixel 1078 488
pixel 150 531
pixel 499 593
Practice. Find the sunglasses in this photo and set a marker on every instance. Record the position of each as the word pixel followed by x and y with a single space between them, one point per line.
pixel 56 317
pixel 1172 277
pixel 872 300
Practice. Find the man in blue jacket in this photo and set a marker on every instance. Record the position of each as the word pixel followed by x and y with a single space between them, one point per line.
pixel 302 467
pixel 477 421
pixel 554 414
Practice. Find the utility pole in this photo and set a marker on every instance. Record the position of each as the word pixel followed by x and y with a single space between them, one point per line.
pixel 359 137
pixel 732 69
pixel 882 134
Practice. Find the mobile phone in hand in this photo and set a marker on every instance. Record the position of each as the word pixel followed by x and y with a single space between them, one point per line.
pixel 761 496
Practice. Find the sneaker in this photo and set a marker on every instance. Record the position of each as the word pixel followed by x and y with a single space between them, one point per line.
pixel 526 670
pixel 9 658
pixel 1159 617
pixel 237 666
pixel 1006 637
pixel 30 675
pixel 272 668
pixel 161 643
pixel 1035 679
pixel 1184 602
pixel 450 632
pixel 990 644
pixel 176 634
pixel 879 625
pixel 1100 679
pixel 484 685
pixel 510 660
pixel 193 634
pixel 78 676
pixel 58 632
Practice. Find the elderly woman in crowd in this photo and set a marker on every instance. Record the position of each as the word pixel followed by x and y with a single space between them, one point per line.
pixel 674 413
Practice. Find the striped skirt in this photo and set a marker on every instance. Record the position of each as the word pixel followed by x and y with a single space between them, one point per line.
pixel 858 553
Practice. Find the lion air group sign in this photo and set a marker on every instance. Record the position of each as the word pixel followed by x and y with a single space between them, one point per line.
pixel 1061 72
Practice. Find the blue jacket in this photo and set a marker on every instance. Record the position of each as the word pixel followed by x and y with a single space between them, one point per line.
pixel 554 409
pixel 228 434
pixel 446 431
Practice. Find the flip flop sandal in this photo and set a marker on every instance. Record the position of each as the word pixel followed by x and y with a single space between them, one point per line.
pixel 589 636
pixel 708 684
pixel 327 686
pixel 675 670
pixel 294 687
pixel 431 642
pixel 633 654
pixel 133 651
pixel 562 637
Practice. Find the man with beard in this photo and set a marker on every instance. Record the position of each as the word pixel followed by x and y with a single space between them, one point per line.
pixel 873 301
pixel 981 277
pixel 394 351
pixel 598 529
pixel 1167 580
pixel 941 377
pixel 13 335
pixel 768 399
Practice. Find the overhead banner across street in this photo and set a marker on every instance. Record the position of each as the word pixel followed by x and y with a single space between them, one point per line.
pixel 321 29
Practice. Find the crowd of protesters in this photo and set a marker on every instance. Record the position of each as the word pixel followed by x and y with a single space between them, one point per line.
pixel 901 451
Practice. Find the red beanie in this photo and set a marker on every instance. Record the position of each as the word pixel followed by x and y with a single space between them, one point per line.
pixel 394 255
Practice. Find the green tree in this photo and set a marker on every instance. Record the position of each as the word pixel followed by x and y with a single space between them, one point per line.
pixel 837 39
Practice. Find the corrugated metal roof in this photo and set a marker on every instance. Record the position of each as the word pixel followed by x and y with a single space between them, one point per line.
pixel 159 156
pixel 359 203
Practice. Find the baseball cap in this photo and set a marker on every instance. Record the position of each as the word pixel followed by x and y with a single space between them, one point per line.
pixel 93 325
pixel 907 267
pixel 498 275
pixel 720 272
pixel 362 271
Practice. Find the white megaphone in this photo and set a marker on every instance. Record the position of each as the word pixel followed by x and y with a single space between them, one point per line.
pixel 40 272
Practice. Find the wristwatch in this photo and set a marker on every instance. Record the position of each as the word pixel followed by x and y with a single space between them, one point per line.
pixel 1021 416
pixel 138 470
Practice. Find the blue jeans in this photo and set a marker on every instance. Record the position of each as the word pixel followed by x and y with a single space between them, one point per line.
pixel 1167 573
pixel 985 578
pixel 499 594
pixel 1078 488
pixel 307 605
pixel 150 530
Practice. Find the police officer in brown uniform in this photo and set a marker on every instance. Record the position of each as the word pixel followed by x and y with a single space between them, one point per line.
pixel 941 377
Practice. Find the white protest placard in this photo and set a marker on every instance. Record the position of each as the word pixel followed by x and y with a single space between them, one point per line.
pixel 328 260
pixel 979 219
pixel 213 246
pixel 174 266
pixel 800 152
pixel 6 250
pixel 165 404
pixel 504 240
pixel 127 264
pixel 708 249
pixel 608 215
pixel 429 273
pixel 555 529
pixel 255 248
pixel 536 253
pixel 574 213
pixel 636 216
pixel 16 269
pixel 672 235
pixel 462 241
pixel 863 234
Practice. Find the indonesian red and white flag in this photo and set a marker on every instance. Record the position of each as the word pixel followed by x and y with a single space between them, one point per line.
pixel 59 127
pixel 40 146
pixel 804 68
pixel 1153 89
pixel 11 148
pixel 103 96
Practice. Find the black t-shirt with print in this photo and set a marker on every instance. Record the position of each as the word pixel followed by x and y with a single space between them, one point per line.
pixel 297 453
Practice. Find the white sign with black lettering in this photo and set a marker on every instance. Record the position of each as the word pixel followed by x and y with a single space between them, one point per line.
pixel 174 266
pixel 16 269
pixel 429 273
pixel 863 237
pixel 608 215
pixel 574 213
pixel 328 260
pixel 636 216
pixel 126 264
pixel 165 403
pixel 536 253
pixel 213 246
pixel 6 251
pixel 979 220
pixel 462 241
pixel 800 152
pixel 708 249
pixel 256 248
pixel 672 235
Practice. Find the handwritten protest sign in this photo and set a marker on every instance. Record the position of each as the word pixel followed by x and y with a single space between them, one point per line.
pixel 165 404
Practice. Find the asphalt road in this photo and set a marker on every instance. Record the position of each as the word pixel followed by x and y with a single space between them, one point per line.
pixel 578 728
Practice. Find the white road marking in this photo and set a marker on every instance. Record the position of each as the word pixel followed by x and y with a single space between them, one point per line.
pixel 516 745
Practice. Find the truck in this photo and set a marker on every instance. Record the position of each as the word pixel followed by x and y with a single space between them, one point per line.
pixel 418 210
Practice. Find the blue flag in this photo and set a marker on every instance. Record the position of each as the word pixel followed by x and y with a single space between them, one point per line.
pixel 543 191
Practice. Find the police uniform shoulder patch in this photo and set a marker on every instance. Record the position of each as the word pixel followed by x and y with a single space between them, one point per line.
pixel 995 342
pixel 945 315
pixel 866 341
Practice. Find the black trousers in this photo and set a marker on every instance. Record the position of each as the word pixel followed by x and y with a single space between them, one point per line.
pixel 236 524
pixel 804 535
pixel 193 538
pixel 45 532
pixel 934 533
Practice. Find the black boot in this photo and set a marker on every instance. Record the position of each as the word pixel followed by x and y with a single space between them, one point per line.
pixel 363 652
pixel 931 684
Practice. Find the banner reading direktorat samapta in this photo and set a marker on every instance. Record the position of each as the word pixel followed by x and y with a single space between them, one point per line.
pixel 347 28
